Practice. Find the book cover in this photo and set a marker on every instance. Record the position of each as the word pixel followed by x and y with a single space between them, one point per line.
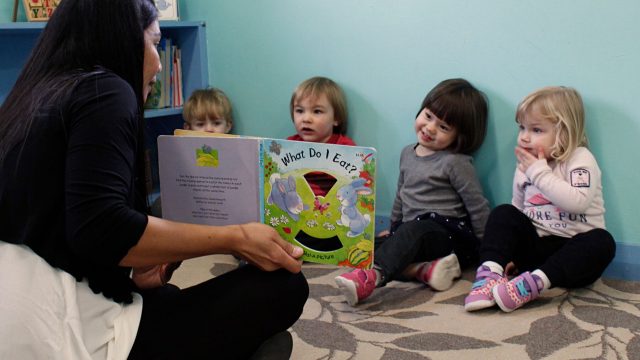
pixel 220 180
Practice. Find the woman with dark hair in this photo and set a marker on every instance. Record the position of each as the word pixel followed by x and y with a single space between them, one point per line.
pixel 83 269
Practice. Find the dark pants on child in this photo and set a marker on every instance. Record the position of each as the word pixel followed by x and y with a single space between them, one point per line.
pixel 423 239
pixel 568 262
pixel 227 317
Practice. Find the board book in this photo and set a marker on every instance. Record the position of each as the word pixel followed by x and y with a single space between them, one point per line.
pixel 222 180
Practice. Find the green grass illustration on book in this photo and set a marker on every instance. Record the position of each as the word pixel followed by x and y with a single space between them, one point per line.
pixel 206 156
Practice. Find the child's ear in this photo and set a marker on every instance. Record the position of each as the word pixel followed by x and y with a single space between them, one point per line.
pixel 186 126
pixel 227 128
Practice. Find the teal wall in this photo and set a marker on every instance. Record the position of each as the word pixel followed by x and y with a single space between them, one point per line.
pixel 6 11
pixel 388 54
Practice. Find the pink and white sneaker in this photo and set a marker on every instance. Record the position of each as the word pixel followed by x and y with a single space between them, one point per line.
pixel 517 292
pixel 481 296
pixel 439 274
pixel 357 285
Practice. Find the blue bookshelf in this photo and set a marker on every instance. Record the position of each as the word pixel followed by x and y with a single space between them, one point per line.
pixel 17 40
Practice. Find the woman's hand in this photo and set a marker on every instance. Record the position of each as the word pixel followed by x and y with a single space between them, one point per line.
pixel 148 277
pixel 526 159
pixel 165 241
pixel 262 246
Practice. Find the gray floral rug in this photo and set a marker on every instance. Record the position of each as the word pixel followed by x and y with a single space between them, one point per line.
pixel 407 320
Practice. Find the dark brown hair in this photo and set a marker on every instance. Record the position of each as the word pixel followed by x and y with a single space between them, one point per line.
pixel 462 106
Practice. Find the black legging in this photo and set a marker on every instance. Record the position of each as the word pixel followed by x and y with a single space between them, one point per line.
pixel 420 240
pixel 568 262
pixel 226 317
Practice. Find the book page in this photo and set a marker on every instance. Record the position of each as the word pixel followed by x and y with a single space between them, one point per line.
pixel 209 180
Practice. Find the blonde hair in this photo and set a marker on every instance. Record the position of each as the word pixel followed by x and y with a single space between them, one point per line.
pixel 564 108
pixel 210 102
pixel 317 86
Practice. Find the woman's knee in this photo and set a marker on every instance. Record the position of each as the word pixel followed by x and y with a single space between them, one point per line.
pixel 288 296
pixel 292 290
pixel 301 289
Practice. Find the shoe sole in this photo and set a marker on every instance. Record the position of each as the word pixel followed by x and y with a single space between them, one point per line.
pixel 449 270
pixel 348 290
pixel 479 305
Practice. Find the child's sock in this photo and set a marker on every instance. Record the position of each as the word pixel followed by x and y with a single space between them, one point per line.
pixel 542 281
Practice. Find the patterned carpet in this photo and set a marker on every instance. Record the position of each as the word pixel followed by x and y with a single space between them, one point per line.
pixel 409 321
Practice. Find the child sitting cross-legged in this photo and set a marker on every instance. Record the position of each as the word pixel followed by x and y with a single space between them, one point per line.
pixel 439 210
pixel 553 231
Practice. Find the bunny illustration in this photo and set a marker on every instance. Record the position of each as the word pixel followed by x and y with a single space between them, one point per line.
pixel 351 217
pixel 283 194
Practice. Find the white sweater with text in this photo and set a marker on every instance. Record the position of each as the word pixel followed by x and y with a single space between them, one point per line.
pixel 561 198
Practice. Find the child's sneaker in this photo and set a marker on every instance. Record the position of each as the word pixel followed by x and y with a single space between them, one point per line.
pixel 357 285
pixel 440 273
pixel 515 293
pixel 480 296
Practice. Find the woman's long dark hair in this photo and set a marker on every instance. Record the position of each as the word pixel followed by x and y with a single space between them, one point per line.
pixel 80 36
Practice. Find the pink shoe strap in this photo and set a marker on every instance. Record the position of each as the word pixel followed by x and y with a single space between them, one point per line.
pixel 482 274
pixel 533 286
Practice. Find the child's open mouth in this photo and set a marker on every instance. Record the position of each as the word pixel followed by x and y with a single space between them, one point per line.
pixel 426 138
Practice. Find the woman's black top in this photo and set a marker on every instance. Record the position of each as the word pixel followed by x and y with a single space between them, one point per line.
pixel 68 191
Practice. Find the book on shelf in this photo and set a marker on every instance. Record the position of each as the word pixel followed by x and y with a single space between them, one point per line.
pixel 167 90
pixel 165 46
pixel 176 78
pixel 222 180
